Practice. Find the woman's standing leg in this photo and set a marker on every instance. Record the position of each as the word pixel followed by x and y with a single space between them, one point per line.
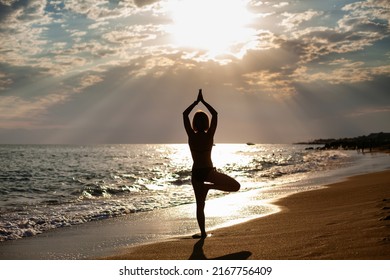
pixel 200 196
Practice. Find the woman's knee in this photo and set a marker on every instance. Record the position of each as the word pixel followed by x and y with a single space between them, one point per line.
pixel 235 186
pixel 232 183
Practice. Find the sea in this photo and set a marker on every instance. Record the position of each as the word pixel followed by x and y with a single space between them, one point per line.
pixel 46 187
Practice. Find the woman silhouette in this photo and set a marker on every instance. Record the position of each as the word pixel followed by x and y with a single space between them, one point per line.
pixel 201 140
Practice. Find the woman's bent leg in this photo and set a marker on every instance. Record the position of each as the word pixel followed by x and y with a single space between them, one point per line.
pixel 222 182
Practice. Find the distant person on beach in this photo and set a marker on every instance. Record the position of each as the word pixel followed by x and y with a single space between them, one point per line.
pixel 204 175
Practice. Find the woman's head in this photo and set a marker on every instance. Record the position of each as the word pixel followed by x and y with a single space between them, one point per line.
pixel 200 121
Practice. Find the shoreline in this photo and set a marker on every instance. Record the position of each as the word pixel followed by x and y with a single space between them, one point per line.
pixel 345 220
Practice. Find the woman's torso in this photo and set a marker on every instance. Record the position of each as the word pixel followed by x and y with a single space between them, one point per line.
pixel 201 145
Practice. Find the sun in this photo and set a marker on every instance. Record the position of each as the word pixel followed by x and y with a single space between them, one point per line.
pixel 216 26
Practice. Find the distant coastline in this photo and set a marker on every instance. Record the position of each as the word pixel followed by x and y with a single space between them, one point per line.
pixel 374 141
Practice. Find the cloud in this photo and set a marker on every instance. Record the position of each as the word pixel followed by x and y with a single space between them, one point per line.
pixel 22 26
pixel 342 72
pixel 270 83
pixel 87 81
pixel 19 112
pixel 363 25
pixel 12 12
pixel 5 81
pixel 281 4
pixel 314 43
pixel 141 3
pixel 368 17
pixel 103 10
pixel 379 9
pixel 95 10
pixel 258 3
pixel 293 20
pixel 134 34
pixel 7 2
pixel 10 7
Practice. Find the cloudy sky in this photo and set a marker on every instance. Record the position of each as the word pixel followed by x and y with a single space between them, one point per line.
pixel 123 71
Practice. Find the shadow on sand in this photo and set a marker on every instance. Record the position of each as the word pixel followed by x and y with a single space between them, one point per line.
pixel 198 253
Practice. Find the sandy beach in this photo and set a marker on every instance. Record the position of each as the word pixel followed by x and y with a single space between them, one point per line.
pixel 346 220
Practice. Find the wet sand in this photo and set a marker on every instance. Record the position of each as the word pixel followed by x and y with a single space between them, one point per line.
pixel 346 220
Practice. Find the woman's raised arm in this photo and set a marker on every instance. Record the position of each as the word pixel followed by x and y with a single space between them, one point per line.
pixel 186 119
pixel 213 112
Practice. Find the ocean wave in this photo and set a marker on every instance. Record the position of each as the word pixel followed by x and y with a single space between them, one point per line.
pixel 46 187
